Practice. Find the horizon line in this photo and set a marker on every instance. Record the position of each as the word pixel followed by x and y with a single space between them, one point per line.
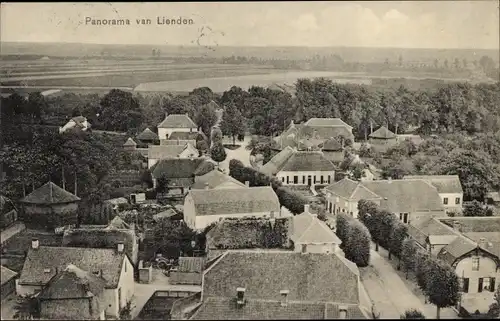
pixel 239 46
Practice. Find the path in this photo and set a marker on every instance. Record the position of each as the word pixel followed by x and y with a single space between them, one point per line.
pixel 11 231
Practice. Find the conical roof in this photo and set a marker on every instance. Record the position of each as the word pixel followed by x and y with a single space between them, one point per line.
pixel 50 193
pixel 382 132
pixel 130 142
pixel 147 134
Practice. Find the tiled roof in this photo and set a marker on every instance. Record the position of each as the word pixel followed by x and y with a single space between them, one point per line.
pixel 460 246
pixel 187 136
pixel 309 229
pixel 181 168
pixel 322 132
pixel 177 121
pixel 235 201
pixel 423 229
pixel 441 239
pixel 475 224
pixel 50 259
pixel 326 122
pixel 331 144
pixel 443 183
pixel 165 151
pixel 401 196
pixel 277 162
pixel 147 134
pixel 130 142
pixel 352 190
pixel 6 275
pixel 191 264
pixel 50 193
pixel 311 277
pixel 226 309
pixel 382 133
pixel 73 283
pixel 307 161
pixel 213 179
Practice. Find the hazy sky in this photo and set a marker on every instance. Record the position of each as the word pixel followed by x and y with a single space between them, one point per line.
pixel 414 24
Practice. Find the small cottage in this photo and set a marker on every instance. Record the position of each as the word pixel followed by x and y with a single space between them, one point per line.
pixel 176 123
pixel 147 137
pixel 382 138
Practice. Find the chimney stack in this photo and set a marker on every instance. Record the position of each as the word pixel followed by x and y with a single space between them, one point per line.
pixel 207 186
pixel 482 242
pixel 121 247
pixel 240 297
pixel 35 244
pixel 342 312
pixel 306 208
pixel 247 183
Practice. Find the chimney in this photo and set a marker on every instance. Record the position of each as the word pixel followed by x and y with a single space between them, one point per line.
pixel 240 297
pixel 456 226
pixel 121 247
pixel 284 297
pixel 207 186
pixel 247 183
pixel 306 208
pixel 35 244
pixel 482 242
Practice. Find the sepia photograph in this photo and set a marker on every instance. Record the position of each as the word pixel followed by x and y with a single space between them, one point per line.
pixel 250 160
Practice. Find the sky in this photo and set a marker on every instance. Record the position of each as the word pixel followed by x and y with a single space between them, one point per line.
pixel 403 24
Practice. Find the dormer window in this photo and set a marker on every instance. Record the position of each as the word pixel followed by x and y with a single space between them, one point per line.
pixel 475 263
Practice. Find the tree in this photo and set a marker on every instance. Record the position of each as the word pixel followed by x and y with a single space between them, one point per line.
pixel 147 178
pixel 201 96
pixel 120 111
pixel 169 237
pixel 342 228
pixel 357 247
pixel 494 310
pixel 178 105
pixel 408 252
pixel 412 314
pixel 232 122
pixel 368 214
pixel 26 308
pixel 162 184
pixel 397 238
pixel 475 208
pixel 202 146
pixel 206 118
pixel 442 285
pixel 218 153
pixel 216 136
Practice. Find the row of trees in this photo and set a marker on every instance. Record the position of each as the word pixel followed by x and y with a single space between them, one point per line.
pixel 355 239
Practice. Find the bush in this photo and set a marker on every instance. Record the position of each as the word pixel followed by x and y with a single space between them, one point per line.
pixel 412 314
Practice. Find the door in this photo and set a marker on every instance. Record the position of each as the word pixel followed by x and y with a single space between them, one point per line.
pixel 466 285
pixel 405 218
pixel 480 285
pixel 119 298
pixel 321 179
pixel 309 180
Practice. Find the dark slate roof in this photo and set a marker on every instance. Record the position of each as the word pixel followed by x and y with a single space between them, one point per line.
pixel 191 264
pixel 130 142
pixel 181 167
pixel 73 283
pixel 187 136
pixel 213 179
pixel 307 228
pixel 235 201
pixel 50 193
pixel 311 277
pixel 401 196
pixel 147 134
pixel 6 275
pixel 425 228
pixel 327 122
pixel 226 309
pixel 331 144
pixel 307 161
pixel 177 121
pixel 443 183
pixel 50 259
pixel 351 190
pixel 277 162
pixel 382 133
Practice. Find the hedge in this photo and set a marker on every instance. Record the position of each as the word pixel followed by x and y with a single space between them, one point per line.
pixel 355 239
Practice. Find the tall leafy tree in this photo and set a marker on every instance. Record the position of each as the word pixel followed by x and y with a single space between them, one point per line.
pixel 206 118
pixel 442 286
pixel 218 153
pixel 357 247
pixel 120 111
pixel 232 122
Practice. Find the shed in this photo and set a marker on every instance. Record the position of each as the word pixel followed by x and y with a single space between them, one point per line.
pixel 190 271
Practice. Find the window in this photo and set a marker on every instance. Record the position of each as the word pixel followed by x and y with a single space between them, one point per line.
pixel 283 179
pixel 475 264
pixel 492 284
pixel 321 179
pixel 457 200
pixel 486 284
pixel 304 248
pixel 405 218
pixel 329 179
pixel 240 293
pixel 343 210
pixel 295 179
pixel 330 207
pixel 445 201
pixel 287 180
pixel 465 287
pixel 304 179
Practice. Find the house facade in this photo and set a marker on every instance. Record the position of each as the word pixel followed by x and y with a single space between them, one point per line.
pixel 176 123
pixel 203 207
pixel 449 189
pixel 78 122
pixel 43 263
pixel 409 200
pixel 382 139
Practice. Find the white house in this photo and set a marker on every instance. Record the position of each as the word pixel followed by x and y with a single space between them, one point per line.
pixel 408 199
pixel 449 189
pixel 203 207
pixel 45 262
pixel 176 123
pixel 159 152
pixel 300 167
pixel 79 122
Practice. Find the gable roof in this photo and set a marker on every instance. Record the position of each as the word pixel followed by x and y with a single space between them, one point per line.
pixel 181 167
pixel 311 277
pixel 307 228
pixel 79 120
pixel 443 183
pixel 277 162
pixel 73 283
pixel 187 136
pixel 459 247
pixel 6 275
pixel 177 121
pixel 326 122
pixel 352 190
pixel 147 134
pixel 382 133
pixel 307 161
pixel 49 193
pixel 165 151
pixel 213 179
pixel 324 132
pixel 429 227
pixel 331 145
pixel 130 142
pixel 58 258
pixel 401 196
pixel 235 201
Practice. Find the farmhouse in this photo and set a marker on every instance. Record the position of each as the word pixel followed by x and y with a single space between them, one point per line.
pixel 49 207
pixel 300 168
pixel 78 123
pixel 333 150
pixel 410 200
pixel 159 152
pixel 176 123
pixel 43 263
pixel 280 285
pixel 471 245
pixel 449 189
pixel 203 207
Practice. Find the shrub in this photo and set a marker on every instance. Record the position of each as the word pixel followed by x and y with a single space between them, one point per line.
pixel 412 314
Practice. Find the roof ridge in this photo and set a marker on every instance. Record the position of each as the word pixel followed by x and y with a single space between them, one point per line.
pixel 308 228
